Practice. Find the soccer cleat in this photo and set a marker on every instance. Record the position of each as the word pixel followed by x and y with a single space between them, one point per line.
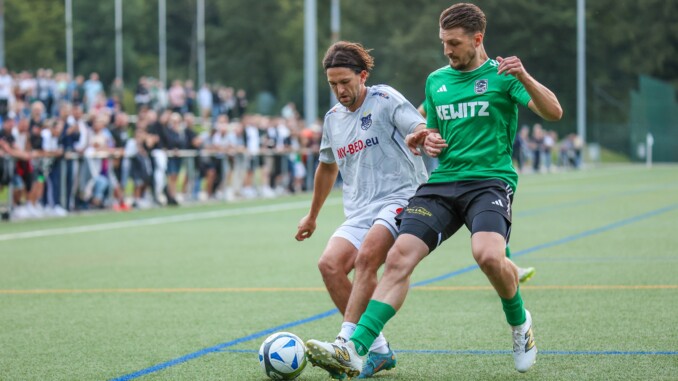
pixel 524 347
pixel 524 274
pixel 376 362
pixel 333 374
pixel 336 375
pixel 337 358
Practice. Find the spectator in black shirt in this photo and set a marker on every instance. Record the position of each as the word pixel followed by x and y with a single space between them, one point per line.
pixel 176 140
pixel 120 132
pixel 241 102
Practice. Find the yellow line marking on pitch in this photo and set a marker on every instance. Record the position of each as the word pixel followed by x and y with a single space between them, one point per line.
pixel 554 287
pixel 315 289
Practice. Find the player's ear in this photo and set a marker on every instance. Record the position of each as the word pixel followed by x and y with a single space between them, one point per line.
pixel 363 76
pixel 478 39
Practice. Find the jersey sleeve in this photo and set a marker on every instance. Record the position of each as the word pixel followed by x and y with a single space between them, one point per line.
pixel 517 92
pixel 405 116
pixel 429 107
pixel 326 154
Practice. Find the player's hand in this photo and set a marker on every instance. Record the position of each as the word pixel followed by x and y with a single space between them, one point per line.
pixel 511 65
pixel 416 139
pixel 305 228
pixel 434 144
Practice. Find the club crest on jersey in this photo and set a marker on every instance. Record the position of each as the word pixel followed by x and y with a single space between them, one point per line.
pixel 481 86
pixel 366 121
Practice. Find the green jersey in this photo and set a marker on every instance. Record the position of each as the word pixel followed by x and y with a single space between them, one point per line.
pixel 476 112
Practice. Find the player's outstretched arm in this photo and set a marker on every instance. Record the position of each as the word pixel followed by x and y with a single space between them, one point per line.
pixel 325 176
pixel 434 143
pixel 416 139
pixel 544 102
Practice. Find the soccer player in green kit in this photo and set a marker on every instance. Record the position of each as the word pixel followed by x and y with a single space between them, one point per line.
pixel 472 112
pixel 524 273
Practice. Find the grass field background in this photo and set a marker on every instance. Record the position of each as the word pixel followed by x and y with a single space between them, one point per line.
pixel 190 293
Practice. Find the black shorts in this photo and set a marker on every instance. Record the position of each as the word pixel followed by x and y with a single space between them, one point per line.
pixel 5 171
pixel 438 210
pixel 254 163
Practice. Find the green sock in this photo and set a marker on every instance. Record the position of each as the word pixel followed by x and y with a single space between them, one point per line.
pixel 508 252
pixel 371 323
pixel 514 309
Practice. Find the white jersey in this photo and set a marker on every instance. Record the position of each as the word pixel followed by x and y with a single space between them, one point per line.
pixel 369 147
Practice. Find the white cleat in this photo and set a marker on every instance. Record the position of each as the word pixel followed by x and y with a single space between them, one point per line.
pixel 525 273
pixel 20 213
pixel 336 357
pixel 56 211
pixel 524 347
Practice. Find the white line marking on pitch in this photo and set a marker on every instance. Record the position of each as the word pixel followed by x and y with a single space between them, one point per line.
pixel 164 220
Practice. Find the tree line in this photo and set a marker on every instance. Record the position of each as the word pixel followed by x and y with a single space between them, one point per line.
pixel 258 45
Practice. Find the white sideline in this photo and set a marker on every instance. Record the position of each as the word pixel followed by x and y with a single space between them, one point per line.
pixel 165 220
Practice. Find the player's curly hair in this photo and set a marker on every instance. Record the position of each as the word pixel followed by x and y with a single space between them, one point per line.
pixel 350 55
pixel 465 15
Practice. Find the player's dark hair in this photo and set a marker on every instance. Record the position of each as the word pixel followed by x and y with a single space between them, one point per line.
pixel 465 15
pixel 350 55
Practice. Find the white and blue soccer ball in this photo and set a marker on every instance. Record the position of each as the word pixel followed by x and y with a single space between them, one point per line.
pixel 282 356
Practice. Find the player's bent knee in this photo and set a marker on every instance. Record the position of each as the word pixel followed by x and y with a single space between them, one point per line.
pixel 489 252
pixel 399 263
pixel 329 265
pixel 368 262
pixel 489 263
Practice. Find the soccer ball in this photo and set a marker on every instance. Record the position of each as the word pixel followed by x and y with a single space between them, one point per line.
pixel 282 356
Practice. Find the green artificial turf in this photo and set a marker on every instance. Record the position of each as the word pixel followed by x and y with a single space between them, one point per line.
pixel 190 293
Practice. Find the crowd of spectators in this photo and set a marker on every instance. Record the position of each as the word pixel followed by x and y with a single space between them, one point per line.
pixel 68 144
pixel 540 151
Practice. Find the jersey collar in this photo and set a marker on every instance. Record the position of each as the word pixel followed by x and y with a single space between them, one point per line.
pixel 472 70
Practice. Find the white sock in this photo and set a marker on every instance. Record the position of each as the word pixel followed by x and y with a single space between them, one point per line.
pixel 347 330
pixel 380 344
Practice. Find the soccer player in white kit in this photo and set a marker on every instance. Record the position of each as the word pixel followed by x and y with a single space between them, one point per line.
pixel 364 138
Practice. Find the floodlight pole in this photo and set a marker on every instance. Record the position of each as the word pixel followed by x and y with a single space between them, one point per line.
pixel 201 42
pixel 162 42
pixel 335 20
pixel 335 27
pixel 2 33
pixel 310 77
pixel 118 39
pixel 69 37
pixel 581 69
pixel 310 57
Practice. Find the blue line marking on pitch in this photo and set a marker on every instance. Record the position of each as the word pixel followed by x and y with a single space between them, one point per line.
pixel 541 352
pixel 601 229
pixel 506 352
pixel 448 275
pixel 586 201
pixel 612 353
pixel 545 209
pixel 222 346
pixel 605 260
pixel 557 242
